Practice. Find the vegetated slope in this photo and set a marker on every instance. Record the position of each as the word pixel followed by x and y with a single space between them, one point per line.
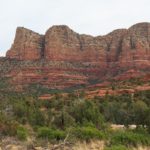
pixel 65 121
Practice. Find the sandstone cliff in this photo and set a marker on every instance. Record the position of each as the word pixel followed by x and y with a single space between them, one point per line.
pixel 63 58
pixel 28 45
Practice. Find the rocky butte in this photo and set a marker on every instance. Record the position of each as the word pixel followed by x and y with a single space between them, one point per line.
pixel 63 59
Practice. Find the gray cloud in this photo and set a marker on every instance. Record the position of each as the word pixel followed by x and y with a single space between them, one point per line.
pixel 94 17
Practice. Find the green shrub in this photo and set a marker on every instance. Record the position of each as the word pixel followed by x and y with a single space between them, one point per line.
pixel 36 117
pixel 22 133
pixel 130 138
pixel 87 133
pixel 45 132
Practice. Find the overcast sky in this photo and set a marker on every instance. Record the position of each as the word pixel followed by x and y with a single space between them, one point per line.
pixel 95 17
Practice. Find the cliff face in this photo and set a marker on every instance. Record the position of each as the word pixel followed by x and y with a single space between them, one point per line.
pixel 136 47
pixel 28 45
pixel 63 58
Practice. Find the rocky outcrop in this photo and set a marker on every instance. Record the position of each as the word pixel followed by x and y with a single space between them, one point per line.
pixel 28 45
pixel 63 44
pixel 63 58
pixel 136 47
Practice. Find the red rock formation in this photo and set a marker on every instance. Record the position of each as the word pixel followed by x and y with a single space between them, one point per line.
pixel 65 58
pixel 136 47
pixel 63 44
pixel 28 45
pixel 107 91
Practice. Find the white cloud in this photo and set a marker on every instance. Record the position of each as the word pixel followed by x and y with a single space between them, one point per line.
pixel 84 16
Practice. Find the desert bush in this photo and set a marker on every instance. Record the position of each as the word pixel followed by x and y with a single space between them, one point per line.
pixel 129 138
pixel 22 133
pixel 87 133
pixel 48 133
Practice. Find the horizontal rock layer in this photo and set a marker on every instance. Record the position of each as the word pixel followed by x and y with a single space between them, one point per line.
pixel 63 58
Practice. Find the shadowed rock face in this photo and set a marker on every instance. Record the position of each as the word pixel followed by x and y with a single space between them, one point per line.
pixel 63 58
